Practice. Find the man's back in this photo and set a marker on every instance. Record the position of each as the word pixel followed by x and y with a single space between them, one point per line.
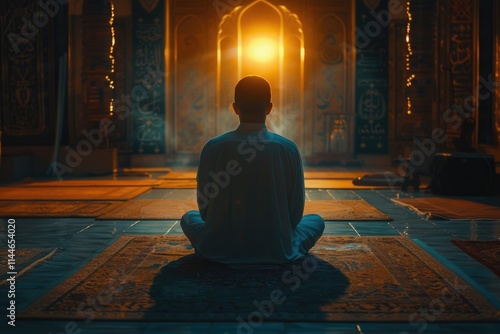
pixel 251 196
pixel 251 190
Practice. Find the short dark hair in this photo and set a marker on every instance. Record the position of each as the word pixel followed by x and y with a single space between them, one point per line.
pixel 252 94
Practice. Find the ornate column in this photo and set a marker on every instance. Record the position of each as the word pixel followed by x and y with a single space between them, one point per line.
pixel 458 67
pixel 371 122
pixel 148 92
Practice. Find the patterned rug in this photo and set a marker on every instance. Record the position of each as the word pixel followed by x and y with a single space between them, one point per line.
pixel 175 208
pixel 143 209
pixel 379 179
pixel 55 209
pixel 25 259
pixel 187 183
pixel 148 277
pixel 344 210
pixel 338 184
pixel 71 193
pixel 147 170
pixel 179 175
pixel 177 184
pixel 331 174
pixel 308 174
pixel 486 252
pixel 447 208
pixel 94 183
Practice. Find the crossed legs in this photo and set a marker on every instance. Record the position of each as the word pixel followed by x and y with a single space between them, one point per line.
pixel 308 231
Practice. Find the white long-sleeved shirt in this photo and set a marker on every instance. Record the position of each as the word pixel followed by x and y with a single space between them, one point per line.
pixel 251 196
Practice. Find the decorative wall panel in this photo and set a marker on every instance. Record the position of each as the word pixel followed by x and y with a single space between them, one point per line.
pixel 148 91
pixel 96 61
pixel 462 44
pixel 331 117
pixel 121 137
pixel 403 122
pixel 191 78
pixel 419 123
pixel 423 43
pixel 28 102
pixel 371 106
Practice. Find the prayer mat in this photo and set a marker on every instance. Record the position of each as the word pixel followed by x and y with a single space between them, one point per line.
pixel 55 209
pixel 25 259
pixel 177 184
pixel 143 209
pixel 175 208
pixel 179 175
pixel 147 170
pixel 331 174
pixel 344 210
pixel 338 184
pixel 71 193
pixel 379 179
pixel 447 208
pixel 313 174
pixel 94 183
pixel 190 183
pixel 344 278
pixel 485 252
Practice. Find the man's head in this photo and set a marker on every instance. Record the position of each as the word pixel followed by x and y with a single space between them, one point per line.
pixel 252 99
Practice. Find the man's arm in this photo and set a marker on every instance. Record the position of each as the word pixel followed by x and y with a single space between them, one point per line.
pixel 297 196
pixel 202 180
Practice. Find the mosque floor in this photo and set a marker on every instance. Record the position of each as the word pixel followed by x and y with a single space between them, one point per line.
pixel 84 238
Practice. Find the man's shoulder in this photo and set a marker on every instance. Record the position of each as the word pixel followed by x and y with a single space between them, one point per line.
pixel 283 141
pixel 218 140
pixel 268 137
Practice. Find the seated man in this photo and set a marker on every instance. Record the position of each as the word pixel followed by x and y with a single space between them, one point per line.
pixel 251 190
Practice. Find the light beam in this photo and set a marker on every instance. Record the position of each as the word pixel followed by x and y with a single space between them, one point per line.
pixel 262 49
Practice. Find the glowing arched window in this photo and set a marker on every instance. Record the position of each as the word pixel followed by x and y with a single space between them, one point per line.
pixel 252 40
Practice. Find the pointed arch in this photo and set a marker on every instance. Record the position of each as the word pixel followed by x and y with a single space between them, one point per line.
pixel 285 71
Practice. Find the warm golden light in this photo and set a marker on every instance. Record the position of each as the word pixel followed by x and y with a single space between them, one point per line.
pixel 262 49
pixel 111 56
pixel 409 53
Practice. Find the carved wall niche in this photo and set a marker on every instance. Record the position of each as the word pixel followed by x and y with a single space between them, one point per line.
pixel 262 21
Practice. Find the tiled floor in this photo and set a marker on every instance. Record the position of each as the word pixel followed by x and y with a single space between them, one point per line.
pixel 82 239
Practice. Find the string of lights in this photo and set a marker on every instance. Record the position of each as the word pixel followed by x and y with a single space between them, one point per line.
pixel 410 76
pixel 112 58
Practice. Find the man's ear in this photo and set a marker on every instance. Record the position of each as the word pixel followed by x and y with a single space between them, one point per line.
pixel 269 108
pixel 236 109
